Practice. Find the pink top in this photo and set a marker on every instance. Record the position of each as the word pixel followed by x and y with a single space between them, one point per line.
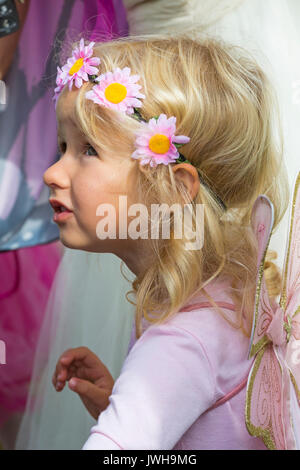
pixel 171 378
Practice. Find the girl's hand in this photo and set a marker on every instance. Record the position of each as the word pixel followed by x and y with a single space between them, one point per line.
pixel 87 376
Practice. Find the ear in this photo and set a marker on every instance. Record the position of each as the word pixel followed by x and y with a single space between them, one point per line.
pixel 188 175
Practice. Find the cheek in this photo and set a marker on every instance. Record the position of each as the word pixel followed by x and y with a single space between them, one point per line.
pixel 92 188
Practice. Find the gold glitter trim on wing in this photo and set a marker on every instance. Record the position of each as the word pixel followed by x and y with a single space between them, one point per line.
pixel 264 434
pixel 291 375
pixel 297 311
pixel 295 385
pixel 283 292
pixel 264 340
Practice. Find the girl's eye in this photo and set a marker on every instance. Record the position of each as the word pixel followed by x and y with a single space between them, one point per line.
pixel 89 150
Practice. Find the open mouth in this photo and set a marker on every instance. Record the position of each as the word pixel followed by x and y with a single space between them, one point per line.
pixel 61 212
pixel 61 209
pixel 58 206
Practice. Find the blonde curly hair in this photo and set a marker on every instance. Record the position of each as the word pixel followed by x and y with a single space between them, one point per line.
pixel 224 102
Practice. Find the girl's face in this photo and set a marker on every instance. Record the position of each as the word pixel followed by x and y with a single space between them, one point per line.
pixel 83 179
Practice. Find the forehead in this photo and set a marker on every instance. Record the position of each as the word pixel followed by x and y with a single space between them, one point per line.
pixel 65 109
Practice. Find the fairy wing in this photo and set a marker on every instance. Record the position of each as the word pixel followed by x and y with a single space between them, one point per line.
pixel 290 296
pixel 266 412
pixel 291 273
pixel 262 223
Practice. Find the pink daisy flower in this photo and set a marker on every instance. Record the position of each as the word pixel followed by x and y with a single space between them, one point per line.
pixel 61 80
pixel 81 64
pixel 155 143
pixel 117 90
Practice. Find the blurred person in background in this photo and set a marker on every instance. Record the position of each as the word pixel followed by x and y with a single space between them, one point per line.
pixel 32 34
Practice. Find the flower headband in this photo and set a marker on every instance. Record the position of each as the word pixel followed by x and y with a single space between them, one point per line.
pixel 156 142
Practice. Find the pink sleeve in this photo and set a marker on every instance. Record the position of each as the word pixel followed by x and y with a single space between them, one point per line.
pixel 165 384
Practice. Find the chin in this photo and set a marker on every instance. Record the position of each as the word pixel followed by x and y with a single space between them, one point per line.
pixel 69 243
pixel 84 241
pixel 74 244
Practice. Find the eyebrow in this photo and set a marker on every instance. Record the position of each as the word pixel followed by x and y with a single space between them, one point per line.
pixel 61 126
pixel 77 132
pixel 69 119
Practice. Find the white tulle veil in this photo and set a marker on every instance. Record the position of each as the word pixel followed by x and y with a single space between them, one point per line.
pixel 87 305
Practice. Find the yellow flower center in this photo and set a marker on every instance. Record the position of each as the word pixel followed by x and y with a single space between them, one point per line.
pixel 115 93
pixel 77 66
pixel 159 143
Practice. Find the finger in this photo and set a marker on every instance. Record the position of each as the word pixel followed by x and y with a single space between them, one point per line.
pixel 75 354
pixel 56 374
pixel 67 357
pixel 59 386
pixel 83 356
pixel 88 390
pixel 72 372
pixel 60 373
pixel 74 363
pixel 64 363
pixel 65 375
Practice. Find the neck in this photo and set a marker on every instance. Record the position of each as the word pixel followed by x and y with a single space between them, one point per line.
pixel 137 257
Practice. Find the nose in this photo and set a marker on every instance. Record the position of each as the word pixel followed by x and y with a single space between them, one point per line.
pixel 56 176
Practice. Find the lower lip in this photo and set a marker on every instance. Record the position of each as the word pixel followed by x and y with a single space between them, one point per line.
pixel 60 216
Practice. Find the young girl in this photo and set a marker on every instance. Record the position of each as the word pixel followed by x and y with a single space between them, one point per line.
pixel 120 135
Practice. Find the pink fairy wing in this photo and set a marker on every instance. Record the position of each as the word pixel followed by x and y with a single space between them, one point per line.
pixel 291 276
pixel 264 405
pixel 268 390
pixel 266 413
pixel 262 220
pixel 290 296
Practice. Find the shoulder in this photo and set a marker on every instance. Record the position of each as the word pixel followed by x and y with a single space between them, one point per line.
pixel 205 331
pixel 174 339
pixel 164 360
pixel 225 346
pixel 213 329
